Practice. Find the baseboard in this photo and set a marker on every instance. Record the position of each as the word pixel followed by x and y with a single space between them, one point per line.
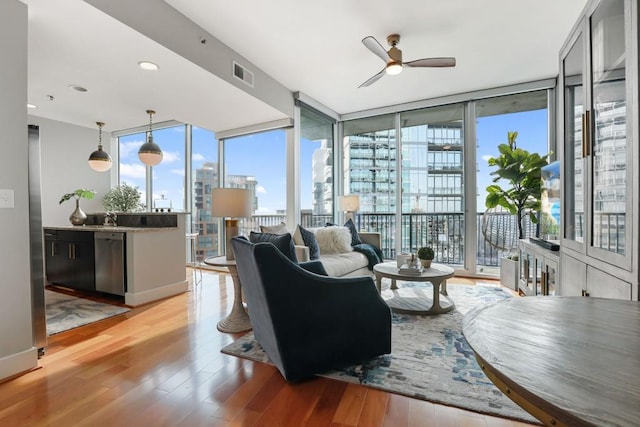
pixel 18 363
pixel 139 298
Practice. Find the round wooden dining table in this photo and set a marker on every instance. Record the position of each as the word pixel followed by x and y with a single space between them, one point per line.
pixel 571 361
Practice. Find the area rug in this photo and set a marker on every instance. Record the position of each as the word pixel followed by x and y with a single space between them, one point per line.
pixel 66 312
pixel 430 358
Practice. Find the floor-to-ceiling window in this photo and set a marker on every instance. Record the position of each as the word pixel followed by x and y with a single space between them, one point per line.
pixel 525 113
pixel 258 162
pixel 168 177
pixel 130 169
pixel 316 168
pixel 369 170
pixel 204 176
pixel 433 182
pixel 170 190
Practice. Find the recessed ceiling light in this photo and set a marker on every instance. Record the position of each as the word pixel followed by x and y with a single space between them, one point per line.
pixel 149 66
pixel 31 106
pixel 78 88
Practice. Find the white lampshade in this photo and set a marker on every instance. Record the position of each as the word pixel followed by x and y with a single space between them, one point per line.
pixel 349 203
pixel 231 202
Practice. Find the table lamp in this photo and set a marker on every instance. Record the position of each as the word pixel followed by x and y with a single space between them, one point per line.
pixel 233 203
pixel 349 204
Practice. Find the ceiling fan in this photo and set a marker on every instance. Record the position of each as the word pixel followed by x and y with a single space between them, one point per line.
pixel 393 58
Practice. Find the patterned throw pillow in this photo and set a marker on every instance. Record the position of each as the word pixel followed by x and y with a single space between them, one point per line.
pixel 283 242
pixel 355 237
pixel 310 241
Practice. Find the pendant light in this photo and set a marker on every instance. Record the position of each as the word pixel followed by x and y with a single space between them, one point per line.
pixel 150 153
pixel 100 160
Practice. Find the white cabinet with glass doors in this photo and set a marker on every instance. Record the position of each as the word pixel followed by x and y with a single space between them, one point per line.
pixel 597 126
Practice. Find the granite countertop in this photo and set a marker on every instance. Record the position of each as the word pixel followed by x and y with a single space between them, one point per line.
pixel 108 228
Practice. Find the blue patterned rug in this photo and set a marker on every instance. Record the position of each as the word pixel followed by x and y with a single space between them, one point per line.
pixel 66 312
pixel 430 358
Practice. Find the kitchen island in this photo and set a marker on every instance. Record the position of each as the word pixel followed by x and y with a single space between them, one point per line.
pixel 154 256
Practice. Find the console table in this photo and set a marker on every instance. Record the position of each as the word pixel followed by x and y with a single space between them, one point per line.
pixel 565 360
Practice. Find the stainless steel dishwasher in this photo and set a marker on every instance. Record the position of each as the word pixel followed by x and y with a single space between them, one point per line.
pixel 110 262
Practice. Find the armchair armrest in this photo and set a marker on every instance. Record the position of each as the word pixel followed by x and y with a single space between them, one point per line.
pixel 314 266
pixel 371 237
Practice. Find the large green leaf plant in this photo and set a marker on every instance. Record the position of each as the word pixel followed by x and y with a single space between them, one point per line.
pixel 521 170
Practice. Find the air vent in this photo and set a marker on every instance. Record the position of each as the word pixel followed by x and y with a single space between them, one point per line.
pixel 243 74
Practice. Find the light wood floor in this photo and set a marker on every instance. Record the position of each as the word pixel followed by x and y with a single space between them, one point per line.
pixel 160 365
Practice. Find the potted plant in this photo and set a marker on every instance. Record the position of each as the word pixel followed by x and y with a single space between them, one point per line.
pixel 123 198
pixel 78 217
pixel 426 255
pixel 522 171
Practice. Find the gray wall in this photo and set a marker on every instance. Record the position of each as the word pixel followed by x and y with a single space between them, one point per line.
pixel 65 149
pixel 17 353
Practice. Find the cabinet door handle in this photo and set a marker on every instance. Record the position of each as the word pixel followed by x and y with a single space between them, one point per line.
pixel 584 131
pixel 587 123
pixel 53 249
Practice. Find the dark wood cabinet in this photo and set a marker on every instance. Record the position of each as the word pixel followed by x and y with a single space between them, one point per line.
pixel 70 259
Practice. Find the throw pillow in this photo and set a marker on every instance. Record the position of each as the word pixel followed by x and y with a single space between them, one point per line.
pixel 274 229
pixel 283 242
pixel 355 237
pixel 310 241
pixel 334 240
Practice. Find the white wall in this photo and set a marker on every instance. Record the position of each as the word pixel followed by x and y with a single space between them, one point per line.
pixel 17 353
pixel 65 149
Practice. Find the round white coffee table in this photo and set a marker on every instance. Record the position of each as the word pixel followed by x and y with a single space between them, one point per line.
pixel 412 300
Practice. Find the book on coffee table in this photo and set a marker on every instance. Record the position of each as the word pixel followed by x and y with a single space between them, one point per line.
pixel 404 269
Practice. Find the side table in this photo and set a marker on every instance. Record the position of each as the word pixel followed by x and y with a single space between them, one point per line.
pixel 238 319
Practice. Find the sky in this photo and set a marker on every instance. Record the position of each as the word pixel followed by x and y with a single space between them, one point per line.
pixel 264 157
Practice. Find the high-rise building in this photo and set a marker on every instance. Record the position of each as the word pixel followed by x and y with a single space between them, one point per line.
pixel 206 178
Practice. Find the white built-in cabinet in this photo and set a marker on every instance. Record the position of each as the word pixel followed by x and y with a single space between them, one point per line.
pixel 598 130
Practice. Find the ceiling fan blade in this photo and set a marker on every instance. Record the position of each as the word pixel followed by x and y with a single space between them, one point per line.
pixel 432 62
pixel 372 44
pixel 373 79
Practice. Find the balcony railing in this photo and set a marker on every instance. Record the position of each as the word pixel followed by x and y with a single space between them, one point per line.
pixel 442 231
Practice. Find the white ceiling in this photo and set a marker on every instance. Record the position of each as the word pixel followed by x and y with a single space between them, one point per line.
pixel 309 46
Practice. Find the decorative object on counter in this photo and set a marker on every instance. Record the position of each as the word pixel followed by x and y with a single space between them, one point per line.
pixel 100 160
pixel 78 217
pixel 234 203
pixel 150 153
pixel 349 204
pixel 426 255
pixel 123 198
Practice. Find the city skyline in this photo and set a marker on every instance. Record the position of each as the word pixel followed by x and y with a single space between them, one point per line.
pixel 263 156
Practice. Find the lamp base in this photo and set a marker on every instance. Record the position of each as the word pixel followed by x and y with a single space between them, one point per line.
pixel 230 231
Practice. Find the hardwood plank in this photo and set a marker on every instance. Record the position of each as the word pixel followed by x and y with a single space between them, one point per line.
pixel 160 364
pixel 350 407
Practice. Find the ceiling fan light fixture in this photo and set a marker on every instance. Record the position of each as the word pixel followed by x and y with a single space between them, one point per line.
pixel 100 160
pixel 394 68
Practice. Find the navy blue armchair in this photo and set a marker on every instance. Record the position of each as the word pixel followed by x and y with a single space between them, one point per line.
pixel 309 323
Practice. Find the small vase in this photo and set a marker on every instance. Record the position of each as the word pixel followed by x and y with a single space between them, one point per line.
pixel 426 263
pixel 78 217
